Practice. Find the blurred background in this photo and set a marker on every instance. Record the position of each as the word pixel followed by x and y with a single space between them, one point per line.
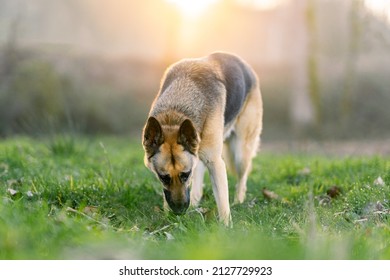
pixel 94 67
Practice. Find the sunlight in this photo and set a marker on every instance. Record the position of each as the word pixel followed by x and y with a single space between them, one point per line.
pixel 192 8
pixel 380 8
pixel 261 4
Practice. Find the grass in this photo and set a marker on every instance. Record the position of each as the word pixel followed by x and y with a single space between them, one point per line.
pixel 78 198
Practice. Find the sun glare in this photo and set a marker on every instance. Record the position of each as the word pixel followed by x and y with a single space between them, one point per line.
pixel 192 8
pixel 261 4
pixel 380 8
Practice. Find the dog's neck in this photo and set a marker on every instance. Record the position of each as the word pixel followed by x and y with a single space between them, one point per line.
pixel 170 118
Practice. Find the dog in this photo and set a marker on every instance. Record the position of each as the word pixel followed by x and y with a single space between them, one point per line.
pixel 208 111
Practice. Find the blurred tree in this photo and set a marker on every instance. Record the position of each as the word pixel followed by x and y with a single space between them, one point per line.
pixel 10 54
pixel 355 27
pixel 302 109
pixel 34 97
pixel 306 99
pixel 312 60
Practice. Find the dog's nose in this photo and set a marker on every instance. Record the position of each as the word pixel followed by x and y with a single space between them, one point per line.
pixel 178 206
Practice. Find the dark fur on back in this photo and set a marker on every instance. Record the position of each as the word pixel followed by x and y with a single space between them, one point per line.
pixel 238 79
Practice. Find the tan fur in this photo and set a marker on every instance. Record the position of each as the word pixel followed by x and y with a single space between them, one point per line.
pixel 186 130
pixel 248 128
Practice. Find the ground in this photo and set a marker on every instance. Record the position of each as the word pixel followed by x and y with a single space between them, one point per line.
pixel 71 197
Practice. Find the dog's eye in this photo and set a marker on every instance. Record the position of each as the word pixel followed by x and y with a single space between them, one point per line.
pixel 166 179
pixel 184 176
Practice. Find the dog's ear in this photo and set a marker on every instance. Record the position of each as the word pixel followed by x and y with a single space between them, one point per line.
pixel 152 136
pixel 188 137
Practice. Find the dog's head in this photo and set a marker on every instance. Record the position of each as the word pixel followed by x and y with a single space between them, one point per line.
pixel 171 153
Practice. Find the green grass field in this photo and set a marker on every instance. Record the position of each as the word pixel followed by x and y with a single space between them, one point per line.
pixel 76 198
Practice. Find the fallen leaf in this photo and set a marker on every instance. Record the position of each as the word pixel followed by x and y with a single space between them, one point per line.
pixel 333 191
pixel 252 203
pixel 134 229
pixel 89 210
pixel 379 181
pixel 12 192
pixel 169 236
pixel 270 195
pixel 305 171
pixel 323 200
pixel 30 194
pixel 361 220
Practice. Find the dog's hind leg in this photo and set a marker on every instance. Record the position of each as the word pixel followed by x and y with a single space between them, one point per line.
pixel 228 156
pixel 245 141
pixel 197 183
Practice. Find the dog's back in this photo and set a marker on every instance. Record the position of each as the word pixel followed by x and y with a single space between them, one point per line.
pixel 195 87
pixel 238 79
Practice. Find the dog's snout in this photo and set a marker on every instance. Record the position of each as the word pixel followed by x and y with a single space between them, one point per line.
pixel 178 203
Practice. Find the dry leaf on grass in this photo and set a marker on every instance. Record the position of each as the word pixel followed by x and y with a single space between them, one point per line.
pixel 157 209
pixel 304 171
pixel 30 194
pixel 169 236
pixel 12 192
pixel 379 182
pixel 90 210
pixel 333 191
pixel 270 195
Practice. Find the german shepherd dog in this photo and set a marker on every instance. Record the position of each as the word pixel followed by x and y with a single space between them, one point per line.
pixel 202 104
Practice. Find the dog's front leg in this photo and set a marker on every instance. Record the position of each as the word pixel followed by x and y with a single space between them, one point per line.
pixel 197 183
pixel 217 170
